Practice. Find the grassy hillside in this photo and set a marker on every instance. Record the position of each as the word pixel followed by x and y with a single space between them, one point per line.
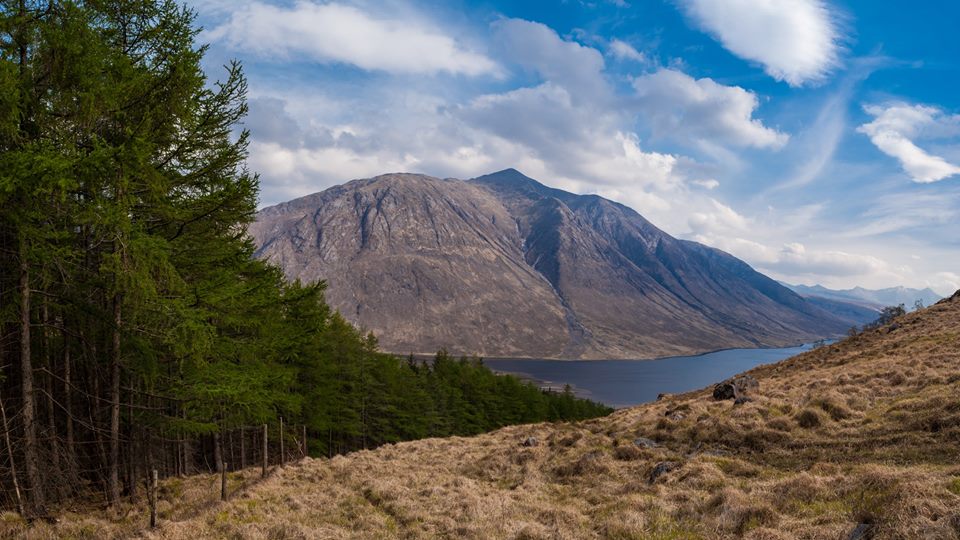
pixel 860 435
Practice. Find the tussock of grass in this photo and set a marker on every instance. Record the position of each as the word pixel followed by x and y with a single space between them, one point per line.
pixel 866 430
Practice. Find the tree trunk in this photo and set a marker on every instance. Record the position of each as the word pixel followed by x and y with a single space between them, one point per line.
pixel 67 403
pixel 217 452
pixel 114 486
pixel 264 455
pixel 48 389
pixel 243 448
pixel 13 463
pixel 34 484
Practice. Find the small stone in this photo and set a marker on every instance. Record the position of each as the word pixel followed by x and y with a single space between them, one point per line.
pixel 741 400
pixel 662 396
pixel 530 441
pixel 644 442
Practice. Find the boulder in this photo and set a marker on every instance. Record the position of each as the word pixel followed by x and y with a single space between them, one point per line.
pixel 735 387
pixel 530 441
pixel 741 400
pixel 661 469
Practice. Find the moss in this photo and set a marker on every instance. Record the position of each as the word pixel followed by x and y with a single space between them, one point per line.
pixel 171 490
pixel 819 508
pixel 665 527
pixel 954 486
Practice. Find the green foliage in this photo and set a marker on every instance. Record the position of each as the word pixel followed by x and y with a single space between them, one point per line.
pixel 126 201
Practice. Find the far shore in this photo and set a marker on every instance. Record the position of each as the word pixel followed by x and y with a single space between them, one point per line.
pixel 429 356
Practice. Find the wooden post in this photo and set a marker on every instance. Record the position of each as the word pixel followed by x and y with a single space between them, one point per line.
pixel 264 456
pixel 223 481
pixel 303 448
pixel 153 498
pixel 282 456
pixel 243 448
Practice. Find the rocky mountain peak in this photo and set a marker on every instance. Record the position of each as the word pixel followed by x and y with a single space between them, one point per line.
pixel 502 265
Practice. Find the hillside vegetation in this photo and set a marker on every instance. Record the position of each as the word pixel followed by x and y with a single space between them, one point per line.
pixel 854 440
pixel 137 331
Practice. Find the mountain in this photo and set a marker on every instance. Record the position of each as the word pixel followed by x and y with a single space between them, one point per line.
pixel 857 439
pixel 875 299
pixel 857 313
pixel 502 265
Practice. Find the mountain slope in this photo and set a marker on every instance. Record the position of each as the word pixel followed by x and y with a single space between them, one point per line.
pixel 859 435
pixel 504 266
pixel 871 298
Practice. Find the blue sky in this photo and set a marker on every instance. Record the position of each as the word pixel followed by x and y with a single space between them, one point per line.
pixel 819 141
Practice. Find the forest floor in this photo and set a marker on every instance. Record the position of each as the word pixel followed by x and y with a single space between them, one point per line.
pixel 859 439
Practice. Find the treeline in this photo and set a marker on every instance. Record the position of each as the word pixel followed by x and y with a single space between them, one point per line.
pixel 136 328
pixel 374 399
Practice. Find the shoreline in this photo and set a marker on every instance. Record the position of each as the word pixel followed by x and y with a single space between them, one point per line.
pixel 429 356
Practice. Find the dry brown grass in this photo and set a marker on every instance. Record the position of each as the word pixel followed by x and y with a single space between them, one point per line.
pixel 863 431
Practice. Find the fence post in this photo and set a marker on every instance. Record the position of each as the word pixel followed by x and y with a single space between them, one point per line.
pixel 304 448
pixel 243 448
pixel 264 473
pixel 153 498
pixel 223 481
pixel 282 456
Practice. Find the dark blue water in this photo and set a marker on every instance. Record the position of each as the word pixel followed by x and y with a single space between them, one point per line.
pixel 621 383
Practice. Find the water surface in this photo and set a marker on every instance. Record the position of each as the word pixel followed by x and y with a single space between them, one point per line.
pixel 621 383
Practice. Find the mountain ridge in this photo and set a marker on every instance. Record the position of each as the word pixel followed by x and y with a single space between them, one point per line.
pixel 875 299
pixel 502 265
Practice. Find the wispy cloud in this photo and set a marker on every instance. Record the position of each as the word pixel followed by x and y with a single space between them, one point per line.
pixel 797 41
pixel 895 125
pixel 624 51
pixel 338 33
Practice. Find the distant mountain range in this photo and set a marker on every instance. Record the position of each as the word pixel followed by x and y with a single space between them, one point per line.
pixel 502 265
pixel 872 299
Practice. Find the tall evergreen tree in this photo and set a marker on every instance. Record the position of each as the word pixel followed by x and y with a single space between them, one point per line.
pixel 132 309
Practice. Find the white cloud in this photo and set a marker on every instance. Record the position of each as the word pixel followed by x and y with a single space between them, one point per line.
pixel 794 258
pixel 895 125
pixel 720 219
pixel 946 283
pixel 624 51
pixel 795 40
pixel 708 183
pixel 536 47
pixel 795 261
pixel 340 33
pixel 702 109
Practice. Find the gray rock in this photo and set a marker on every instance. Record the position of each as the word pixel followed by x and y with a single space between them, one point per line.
pixel 644 442
pixel 530 441
pixel 426 263
pixel 661 469
pixel 741 400
pixel 736 387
